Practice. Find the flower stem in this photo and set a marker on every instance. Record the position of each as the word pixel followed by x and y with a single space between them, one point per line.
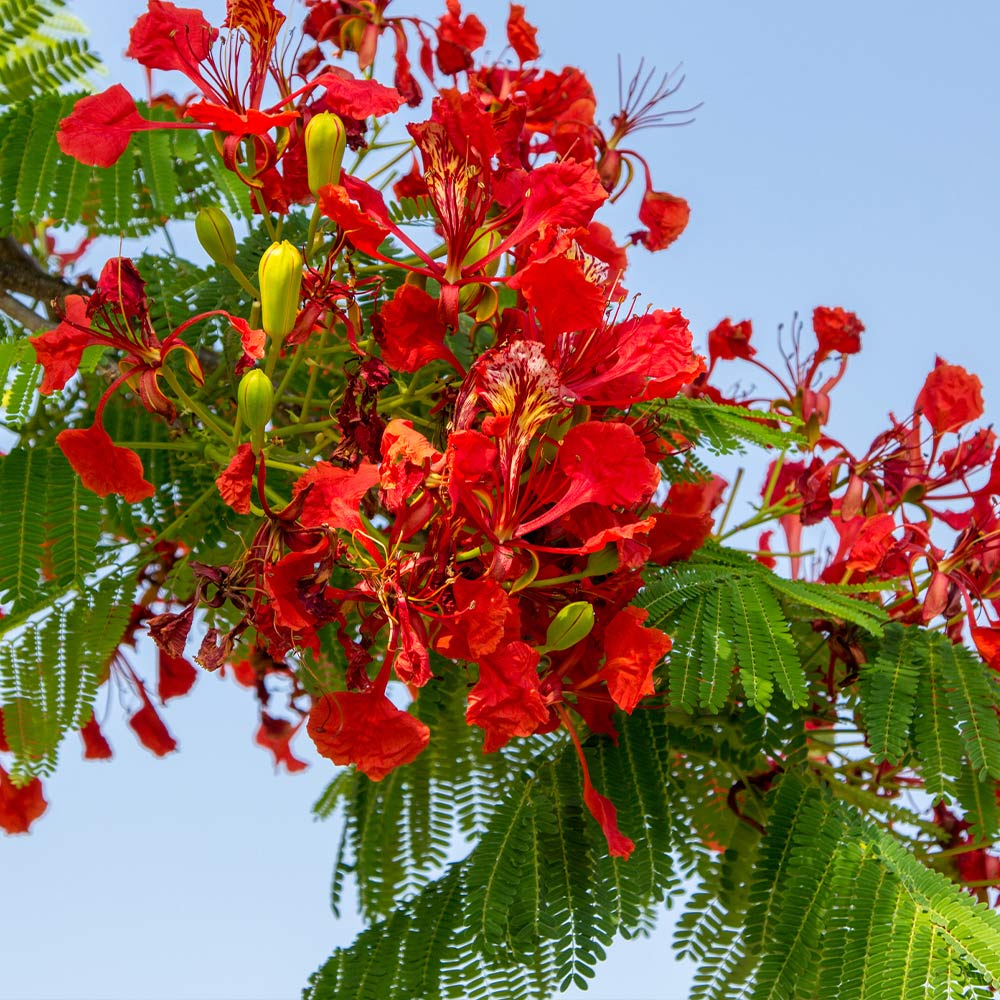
pixel 211 423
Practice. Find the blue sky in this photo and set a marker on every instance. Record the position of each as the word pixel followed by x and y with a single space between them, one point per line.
pixel 845 155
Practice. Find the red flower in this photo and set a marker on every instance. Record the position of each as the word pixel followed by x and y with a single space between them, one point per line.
pixel 950 397
pixel 102 465
pixel 20 807
pixel 506 701
pixel 366 729
pixel 837 331
pixel 119 305
pixel 632 651
pixel 645 357
pixel 169 37
pixel 458 39
pixel 235 482
pixel 728 341
pixel 276 735
pixel 665 217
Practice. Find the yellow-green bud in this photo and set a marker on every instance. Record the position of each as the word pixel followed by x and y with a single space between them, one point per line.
pixel 485 243
pixel 215 234
pixel 280 275
pixel 572 624
pixel 326 140
pixel 255 398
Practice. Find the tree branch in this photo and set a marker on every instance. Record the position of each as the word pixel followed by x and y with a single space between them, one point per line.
pixel 22 314
pixel 19 272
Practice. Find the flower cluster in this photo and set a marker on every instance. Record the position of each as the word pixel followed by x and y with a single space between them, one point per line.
pixel 440 428
pixel 483 497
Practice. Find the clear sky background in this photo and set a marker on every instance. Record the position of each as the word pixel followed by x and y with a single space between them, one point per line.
pixel 845 155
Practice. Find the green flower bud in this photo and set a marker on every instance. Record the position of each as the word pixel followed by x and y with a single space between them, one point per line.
pixel 326 140
pixel 255 398
pixel 215 234
pixel 280 275
pixel 572 624
pixel 485 243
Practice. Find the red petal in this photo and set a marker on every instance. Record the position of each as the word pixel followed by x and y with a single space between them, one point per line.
pixel 950 397
pixel 4 745
pixel 412 663
pixel 729 340
pixel 521 35
pixel 562 296
pixel 366 729
pixel 412 332
pixel 176 676
pixel 335 495
pixel 276 735
pixel 288 599
pixel 477 626
pixel 458 39
pixel 20 807
pixel 98 129
pixel 103 466
pixel 358 98
pixel 837 330
pixel 591 478
pixel 120 286
pixel 565 194
pixel 364 232
pixel 149 728
pixel 666 218
pixel 603 810
pixel 632 651
pixel 235 484
pixel 253 341
pixel 506 701
pixel 171 37
pixel 254 122
pixel 95 746
pixel 59 351
pixel 987 641
pixel 407 458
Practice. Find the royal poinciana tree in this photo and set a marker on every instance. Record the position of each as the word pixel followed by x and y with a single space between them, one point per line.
pixel 400 453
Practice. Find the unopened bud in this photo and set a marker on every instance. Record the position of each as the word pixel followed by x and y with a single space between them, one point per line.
pixel 280 275
pixel 572 624
pixel 255 398
pixel 484 244
pixel 215 234
pixel 326 140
